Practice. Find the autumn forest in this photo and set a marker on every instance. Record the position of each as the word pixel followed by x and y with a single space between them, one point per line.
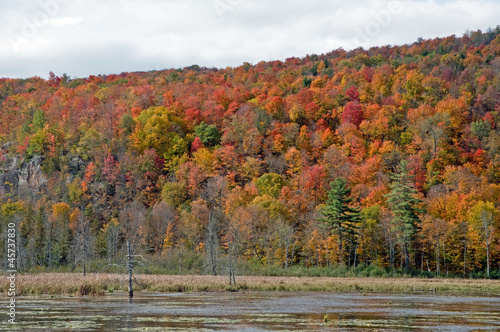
pixel 387 157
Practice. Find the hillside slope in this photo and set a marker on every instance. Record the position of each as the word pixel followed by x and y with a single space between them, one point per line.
pixel 236 162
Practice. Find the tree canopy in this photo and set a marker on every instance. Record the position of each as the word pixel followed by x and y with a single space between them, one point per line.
pixel 207 162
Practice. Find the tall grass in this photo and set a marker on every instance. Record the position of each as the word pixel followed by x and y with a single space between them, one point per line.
pixel 99 284
pixel 182 272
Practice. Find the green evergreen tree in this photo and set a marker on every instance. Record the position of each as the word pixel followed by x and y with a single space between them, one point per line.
pixel 405 206
pixel 338 214
pixel 208 134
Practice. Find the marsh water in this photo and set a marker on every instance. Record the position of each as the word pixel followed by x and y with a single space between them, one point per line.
pixel 256 312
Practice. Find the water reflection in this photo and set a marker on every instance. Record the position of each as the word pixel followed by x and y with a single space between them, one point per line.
pixel 257 312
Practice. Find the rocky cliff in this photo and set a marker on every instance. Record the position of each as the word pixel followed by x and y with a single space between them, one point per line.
pixel 19 177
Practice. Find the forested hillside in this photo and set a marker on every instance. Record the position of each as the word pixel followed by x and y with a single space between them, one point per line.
pixel 388 156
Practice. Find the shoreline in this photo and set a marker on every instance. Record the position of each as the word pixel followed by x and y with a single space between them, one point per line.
pixel 102 283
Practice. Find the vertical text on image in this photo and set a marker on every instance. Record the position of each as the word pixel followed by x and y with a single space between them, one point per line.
pixel 11 272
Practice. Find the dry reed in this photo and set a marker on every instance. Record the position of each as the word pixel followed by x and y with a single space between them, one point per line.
pixel 98 284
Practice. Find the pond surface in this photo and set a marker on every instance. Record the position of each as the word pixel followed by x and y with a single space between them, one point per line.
pixel 256 312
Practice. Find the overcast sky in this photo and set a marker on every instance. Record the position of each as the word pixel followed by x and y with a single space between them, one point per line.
pixel 91 37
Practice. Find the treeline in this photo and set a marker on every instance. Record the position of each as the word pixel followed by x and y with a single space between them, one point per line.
pixel 387 157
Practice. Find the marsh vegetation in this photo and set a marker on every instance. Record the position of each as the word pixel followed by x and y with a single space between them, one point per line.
pixel 100 284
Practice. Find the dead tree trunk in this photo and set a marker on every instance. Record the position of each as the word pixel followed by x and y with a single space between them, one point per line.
pixel 130 268
pixel 84 263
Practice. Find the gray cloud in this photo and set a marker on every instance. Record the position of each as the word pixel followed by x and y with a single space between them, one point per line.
pixel 81 38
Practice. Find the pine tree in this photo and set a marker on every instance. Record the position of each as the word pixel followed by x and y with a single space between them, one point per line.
pixel 338 213
pixel 405 206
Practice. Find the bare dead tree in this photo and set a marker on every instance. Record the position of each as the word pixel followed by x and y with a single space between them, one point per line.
pixel 212 240
pixel 488 228
pixel 162 218
pixel 132 219
pixel 234 239
pixel 130 264
pixel 82 246
pixel 285 236
pixel 214 194
pixel 232 248
pixel 390 237
pixel 130 268
pixel 112 238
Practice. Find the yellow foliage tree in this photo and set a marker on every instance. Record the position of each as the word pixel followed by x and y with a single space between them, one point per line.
pixel 483 223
